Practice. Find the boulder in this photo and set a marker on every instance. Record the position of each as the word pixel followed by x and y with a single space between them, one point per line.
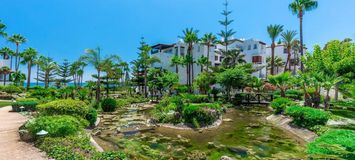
pixel 226 158
pixel 25 135
pixel 243 152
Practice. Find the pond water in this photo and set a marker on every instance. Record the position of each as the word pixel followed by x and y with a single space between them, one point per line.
pixel 244 135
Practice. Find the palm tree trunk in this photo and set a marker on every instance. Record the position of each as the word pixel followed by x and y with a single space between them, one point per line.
pixel 17 45
pixel 272 58
pixel 29 75
pixel 288 59
pixel 326 101
pixel 98 87
pixel 177 69
pixel 208 56
pixel 301 36
pixel 4 79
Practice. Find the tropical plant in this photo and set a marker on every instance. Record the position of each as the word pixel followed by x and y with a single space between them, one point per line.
pixel 274 31
pixel 6 52
pixel 208 40
pixel 18 78
pixel 204 80
pixel 329 81
pixel 190 38
pixel 299 7
pixel 281 81
pixel 176 61
pixel 29 56
pixel 5 70
pixel 202 61
pixel 288 37
pixel 232 58
pixel 2 29
pixel 47 70
pixel 17 39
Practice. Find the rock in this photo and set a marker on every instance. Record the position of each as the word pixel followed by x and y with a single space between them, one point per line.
pixel 264 139
pixel 25 135
pixel 254 125
pixel 239 151
pixel 227 120
pixel 96 133
pixel 226 158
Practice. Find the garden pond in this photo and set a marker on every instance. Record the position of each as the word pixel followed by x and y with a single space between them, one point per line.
pixel 244 134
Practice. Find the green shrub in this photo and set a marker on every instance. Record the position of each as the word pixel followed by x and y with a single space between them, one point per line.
pixel 11 89
pixel 26 100
pixel 279 104
pixel 65 107
pixel 91 116
pixel 28 106
pixel 294 94
pixel 109 105
pixel 75 147
pixel 111 155
pixel 195 98
pixel 201 114
pixel 122 103
pixel 56 126
pixel 307 117
pixel 334 144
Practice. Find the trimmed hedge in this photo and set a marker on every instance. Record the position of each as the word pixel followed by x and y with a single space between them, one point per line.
pixel 334 144
pixel 307 117
pixel 109 105
pixel 65 107
pixel 28 106
pixel 91 116
pixel 280 104
pixel 56 126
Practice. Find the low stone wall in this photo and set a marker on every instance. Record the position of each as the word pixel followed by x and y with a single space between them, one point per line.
pixel 283 122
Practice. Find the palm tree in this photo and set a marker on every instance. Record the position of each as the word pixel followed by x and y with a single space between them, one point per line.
pixel 208 40
pixel 17 39
pixel 18 78
pixel 232 57
pixel 288 37
pixel 2 29
pixel 29 56
pixel 5 70
pixel 190 37
pixel 278 63
pixel 329 81
pixel 296 49
pixel 6 52
pixel 299 7
pixel 176 61
pixel 274 31
pixel 203 61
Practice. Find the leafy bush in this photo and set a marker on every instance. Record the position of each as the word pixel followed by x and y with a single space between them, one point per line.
pixel 67 148
pixel 122 103
pixel 307 117
pixel 111 155
pixel 195 98
pixel 26 100
pixel 109 105
pixel 65 107
pixel 40 93
pixel 56 126
pixel 334 144
pixel 12 89
pixel 294 94
pixel 279 104
pixel 91 116
pixel 201 114
pixel 28 106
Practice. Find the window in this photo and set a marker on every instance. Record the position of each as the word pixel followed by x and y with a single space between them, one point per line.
pixel 255 46
pixel 182 51
pixel 249 47
pixel 257 59
pixel 285 50
pixel 221 58
pixel 216 58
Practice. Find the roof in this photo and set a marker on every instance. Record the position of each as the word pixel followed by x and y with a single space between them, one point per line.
pixel 162 46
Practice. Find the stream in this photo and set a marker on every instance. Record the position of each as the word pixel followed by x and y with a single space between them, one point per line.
pixel 244 134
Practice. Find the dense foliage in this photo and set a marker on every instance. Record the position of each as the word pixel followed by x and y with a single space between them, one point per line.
pixel 56 126
pixel 109 105
pixel 334 144
pixel 196 98
pixel 91 116
pixel 65 107
pixel 280 104
pixel 201 114
pixel 28 106
pixel 307 117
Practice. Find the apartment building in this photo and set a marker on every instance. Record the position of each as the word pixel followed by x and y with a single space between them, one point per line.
pixel 4 61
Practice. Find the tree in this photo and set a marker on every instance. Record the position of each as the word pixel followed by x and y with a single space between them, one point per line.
pixel 299 7
pixel 17 39
pixel 329 81
pixel 227 33
pixel 47 71
pixel 202 61
pixel 295 50
pixel 6 52
pixel 64 73
pixel 208 40
pixel 5 71
pixel 38 62
pixel 18 78
pixel 281 81
pixel 232 57
pixel 110 68
pixel 2 29
pixel 204 80
pixel 278 63
pixel 176 61
pixel 235 78
pixel 76 71
pixel 273 31
pixel 190 38
pixel 29 55
pixel 288 37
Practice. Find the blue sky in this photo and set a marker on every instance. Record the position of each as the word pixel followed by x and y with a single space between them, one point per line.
pixel 62 29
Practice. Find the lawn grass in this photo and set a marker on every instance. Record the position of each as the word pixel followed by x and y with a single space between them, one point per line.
pixel 4 104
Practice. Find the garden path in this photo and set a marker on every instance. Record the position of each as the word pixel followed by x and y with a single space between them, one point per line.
pixel 11 147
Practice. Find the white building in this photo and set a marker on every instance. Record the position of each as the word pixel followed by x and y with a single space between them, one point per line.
pixel 255 52
pixel 4 62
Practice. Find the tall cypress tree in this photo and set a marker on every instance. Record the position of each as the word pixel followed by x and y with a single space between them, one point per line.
pixel 64 73
pixel 227 33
